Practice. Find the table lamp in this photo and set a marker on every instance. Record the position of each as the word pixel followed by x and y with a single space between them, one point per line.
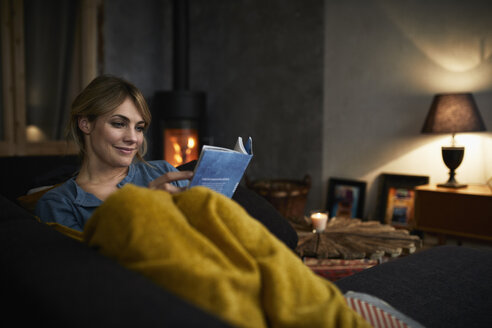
pixel 453 113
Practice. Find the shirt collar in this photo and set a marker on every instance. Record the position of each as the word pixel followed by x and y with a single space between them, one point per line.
pixel 83 198
pixel 129 176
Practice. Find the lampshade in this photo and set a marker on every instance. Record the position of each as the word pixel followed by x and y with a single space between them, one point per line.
pixel 453 113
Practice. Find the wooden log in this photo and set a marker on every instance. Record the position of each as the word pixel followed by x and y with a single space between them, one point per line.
pixel 353 239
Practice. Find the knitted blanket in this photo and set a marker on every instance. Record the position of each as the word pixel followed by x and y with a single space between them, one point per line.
pixel 205 248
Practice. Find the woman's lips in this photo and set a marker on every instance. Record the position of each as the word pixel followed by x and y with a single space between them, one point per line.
pixel 125 150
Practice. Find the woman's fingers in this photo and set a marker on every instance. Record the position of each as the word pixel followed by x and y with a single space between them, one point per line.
pixel 168 187
pixel 164 181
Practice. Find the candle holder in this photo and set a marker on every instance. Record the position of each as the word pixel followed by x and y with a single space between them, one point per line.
pixel 318 221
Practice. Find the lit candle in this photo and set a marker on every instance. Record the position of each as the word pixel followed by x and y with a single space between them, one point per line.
pixel 319 220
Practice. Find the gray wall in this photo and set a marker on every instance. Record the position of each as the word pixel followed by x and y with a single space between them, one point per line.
pixel 384 61
pixel 327 88
pixel 259 62
pixel 137 42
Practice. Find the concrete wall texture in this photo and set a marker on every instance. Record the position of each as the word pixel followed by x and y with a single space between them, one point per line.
pixel 326 88
pixel 384 61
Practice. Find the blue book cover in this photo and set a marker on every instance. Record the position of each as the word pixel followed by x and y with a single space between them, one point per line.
pixel 221 169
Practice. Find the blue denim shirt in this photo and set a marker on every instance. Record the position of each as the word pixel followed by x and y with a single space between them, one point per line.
pixel 71 206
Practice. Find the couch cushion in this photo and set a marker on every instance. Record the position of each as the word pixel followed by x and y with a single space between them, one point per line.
pixel 30 200
pixel 446 286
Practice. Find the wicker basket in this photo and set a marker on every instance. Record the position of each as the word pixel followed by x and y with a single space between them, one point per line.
pixel 287 196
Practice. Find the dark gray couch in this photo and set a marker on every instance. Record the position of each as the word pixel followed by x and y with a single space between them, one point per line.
pixel 48 279
pixel 445 286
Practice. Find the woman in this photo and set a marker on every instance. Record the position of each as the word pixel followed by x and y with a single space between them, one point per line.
pixel 107 122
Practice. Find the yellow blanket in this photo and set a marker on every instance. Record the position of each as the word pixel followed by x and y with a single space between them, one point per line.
pixel 205 248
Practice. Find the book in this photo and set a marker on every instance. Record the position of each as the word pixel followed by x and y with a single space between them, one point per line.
pixel 221 169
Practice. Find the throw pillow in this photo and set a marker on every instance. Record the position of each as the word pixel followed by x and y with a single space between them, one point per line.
pixel 29 201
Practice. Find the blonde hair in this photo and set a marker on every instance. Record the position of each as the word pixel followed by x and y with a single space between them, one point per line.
pixel 103 95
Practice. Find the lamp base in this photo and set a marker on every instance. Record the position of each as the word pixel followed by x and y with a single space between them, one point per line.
pixel 452 157
pixel 452 185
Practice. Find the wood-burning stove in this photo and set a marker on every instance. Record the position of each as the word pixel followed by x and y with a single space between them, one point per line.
pixel 181 125
pixel 181 112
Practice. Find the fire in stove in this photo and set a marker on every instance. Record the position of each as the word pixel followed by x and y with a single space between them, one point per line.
pixel 181 112
pixel 180 146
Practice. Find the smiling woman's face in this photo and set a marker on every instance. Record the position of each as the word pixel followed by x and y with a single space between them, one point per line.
pixel 113 140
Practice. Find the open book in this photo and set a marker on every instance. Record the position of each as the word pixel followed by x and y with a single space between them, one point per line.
pixel 221 169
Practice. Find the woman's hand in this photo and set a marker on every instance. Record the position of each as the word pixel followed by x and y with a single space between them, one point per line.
pixel 164 181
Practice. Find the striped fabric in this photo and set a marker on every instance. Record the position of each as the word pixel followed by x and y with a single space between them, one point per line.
pixel 377 317
pixel 334 269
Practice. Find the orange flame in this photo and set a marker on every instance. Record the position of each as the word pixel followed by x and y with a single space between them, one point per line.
pixel 180 146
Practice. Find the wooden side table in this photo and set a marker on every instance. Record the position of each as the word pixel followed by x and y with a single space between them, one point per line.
pixel 463 212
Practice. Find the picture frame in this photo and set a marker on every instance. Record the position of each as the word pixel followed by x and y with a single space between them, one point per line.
pixel 396 198
pixel 346 197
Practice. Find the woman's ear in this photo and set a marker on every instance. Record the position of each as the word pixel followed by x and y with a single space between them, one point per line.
pixel 84 124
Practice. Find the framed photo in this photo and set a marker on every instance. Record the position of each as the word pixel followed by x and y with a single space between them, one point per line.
pixel 346 198
pixel 397 198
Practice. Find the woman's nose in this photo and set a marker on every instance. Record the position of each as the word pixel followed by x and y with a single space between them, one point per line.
pixel 130 135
